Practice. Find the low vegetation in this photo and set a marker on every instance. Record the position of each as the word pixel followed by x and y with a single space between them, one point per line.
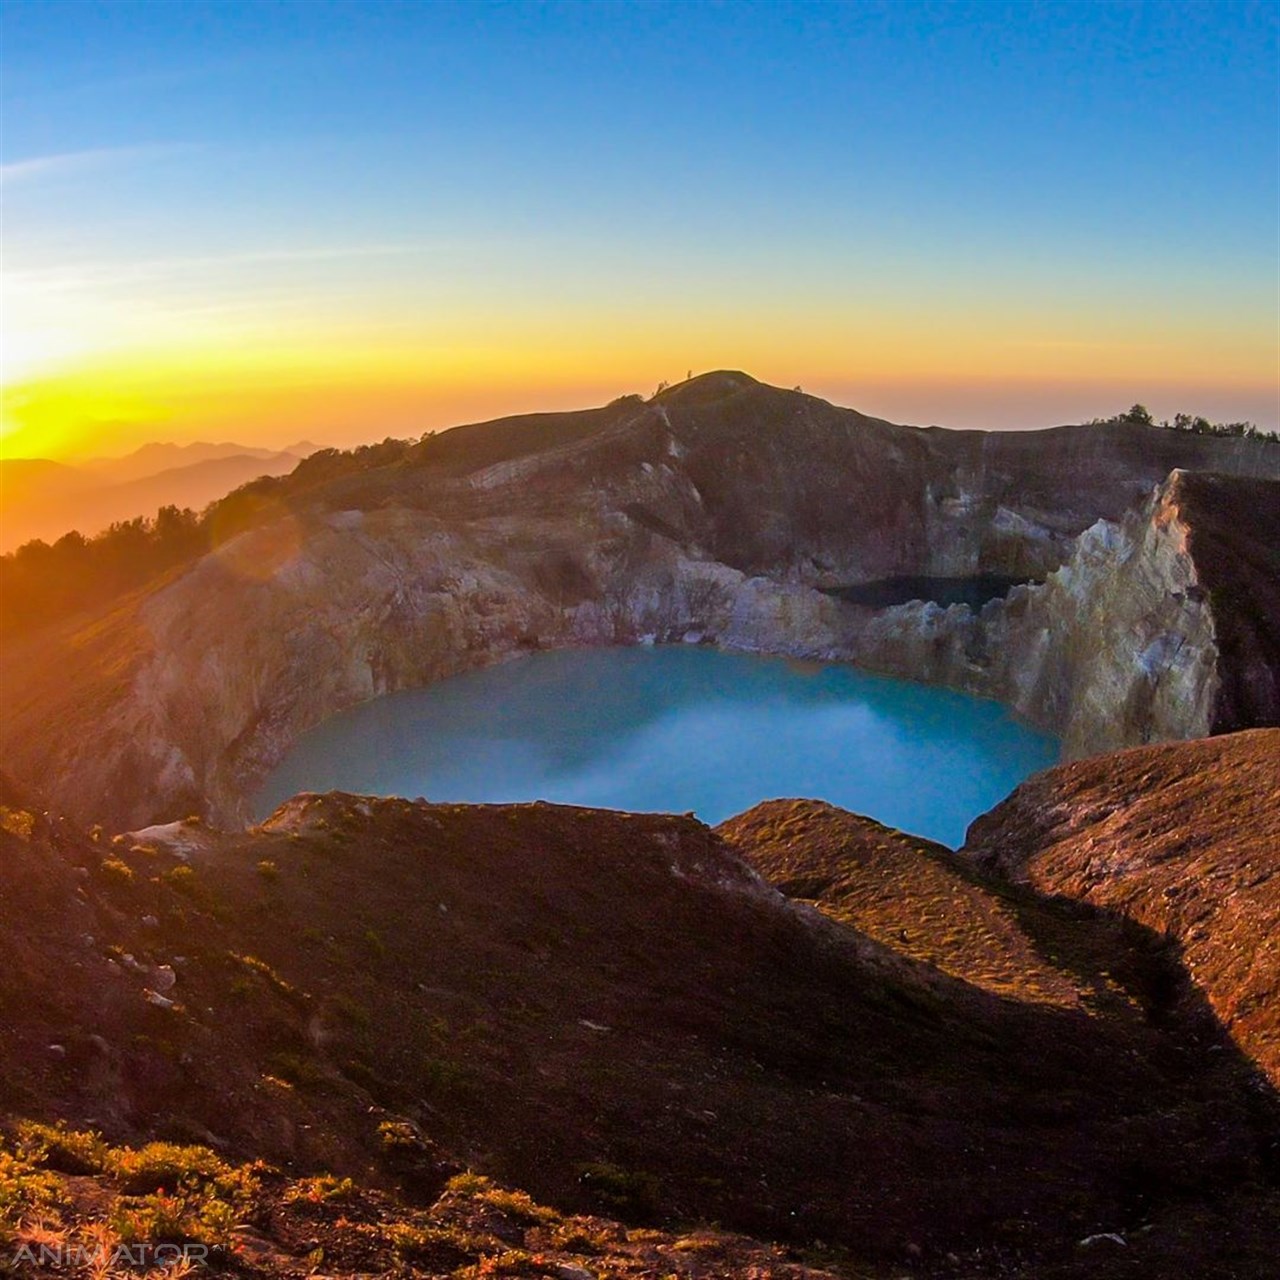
pixel 74 1206
pixel 73 1201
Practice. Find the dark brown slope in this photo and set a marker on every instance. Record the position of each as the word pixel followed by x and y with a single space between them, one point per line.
pixel 786 484
pixel 793 484
pixel 1183 839
pixel 914 896
pixel 467 449
pixel 592 1004
pixel 1235 542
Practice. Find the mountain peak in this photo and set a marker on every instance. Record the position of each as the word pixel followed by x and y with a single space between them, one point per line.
pixel 704 388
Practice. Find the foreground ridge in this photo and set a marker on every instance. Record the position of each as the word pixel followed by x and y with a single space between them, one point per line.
pixel 927 1064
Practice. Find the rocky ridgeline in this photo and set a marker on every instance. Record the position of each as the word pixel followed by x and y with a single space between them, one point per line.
pixel 724 512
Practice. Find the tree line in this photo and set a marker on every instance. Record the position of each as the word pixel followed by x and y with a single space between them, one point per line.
pixel 1193 423
pixel 42 582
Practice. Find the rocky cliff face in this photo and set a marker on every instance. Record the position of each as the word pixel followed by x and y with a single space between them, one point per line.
pixel 724 512
pixel 1158 627
pixel 1119 645
pixel 1116 647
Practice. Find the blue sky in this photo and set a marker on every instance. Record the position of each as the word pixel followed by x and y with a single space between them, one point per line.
pixel 907 206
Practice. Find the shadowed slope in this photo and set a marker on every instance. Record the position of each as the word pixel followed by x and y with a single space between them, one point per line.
pixel 587 1003
pixel 1183 839
pixel 1235 542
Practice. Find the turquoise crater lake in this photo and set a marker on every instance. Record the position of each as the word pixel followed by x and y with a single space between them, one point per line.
pixel 674 729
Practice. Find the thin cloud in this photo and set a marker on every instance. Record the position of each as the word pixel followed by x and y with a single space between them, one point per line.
pixel 321 253
pixel 100 274
pixel 69 163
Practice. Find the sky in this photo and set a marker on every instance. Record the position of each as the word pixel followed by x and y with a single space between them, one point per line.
pixel 273 221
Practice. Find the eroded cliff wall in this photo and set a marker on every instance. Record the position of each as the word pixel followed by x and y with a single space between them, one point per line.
pixel 1115 648
pixel 722 514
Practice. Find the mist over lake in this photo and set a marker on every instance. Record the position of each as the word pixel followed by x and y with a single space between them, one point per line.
pixel 673 729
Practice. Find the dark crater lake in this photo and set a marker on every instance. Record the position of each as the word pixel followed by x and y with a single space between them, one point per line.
pixel 676 728
pixel 974 591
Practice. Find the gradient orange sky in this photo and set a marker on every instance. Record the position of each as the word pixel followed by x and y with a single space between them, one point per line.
pixel 339 222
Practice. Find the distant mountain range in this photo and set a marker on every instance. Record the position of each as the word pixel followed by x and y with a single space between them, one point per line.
pixel 152 459
pixel 44 499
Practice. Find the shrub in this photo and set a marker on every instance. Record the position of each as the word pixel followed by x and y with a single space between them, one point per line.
pixel 267 974
pixel 325 1189
pixel 435 1247
pixel 17 822
pixel 117 871
pixel 518 1204
pixel 294 1069
pixel 352 1010
pixel 164 1164
pixel 200 1215
pixel 399 1135
pixel 24 1191
pixel 444 1079
pixel 154 1219
pixel 510 1262
pixel 627 1192
pixel 183 878
pixel 61 1148
pixel 468 1183
pixel 578 1236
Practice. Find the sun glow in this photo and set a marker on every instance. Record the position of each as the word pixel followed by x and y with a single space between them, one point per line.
pixel 334 391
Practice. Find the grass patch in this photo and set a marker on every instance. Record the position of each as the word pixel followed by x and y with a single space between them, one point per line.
pixel 164 1164
pixel 294 1069
pixel 184 880
pixel 429 1246
pixel 195 1216
pixel 325 1189
pixel 468 1184
pixel 352 1011
pixel 519 1205
pixel 17 822
pixel 261 969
